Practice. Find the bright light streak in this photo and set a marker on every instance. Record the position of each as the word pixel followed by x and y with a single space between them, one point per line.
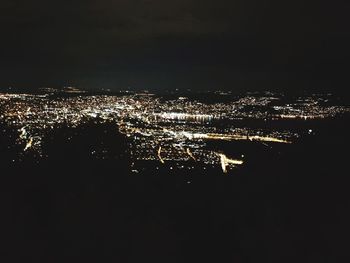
pixel 268 139
pixel 29 144
pixel 159 154
pixel 226 162
pixel 190 154
pixel 23 134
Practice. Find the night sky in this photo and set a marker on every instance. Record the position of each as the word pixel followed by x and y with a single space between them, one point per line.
pixel 179 44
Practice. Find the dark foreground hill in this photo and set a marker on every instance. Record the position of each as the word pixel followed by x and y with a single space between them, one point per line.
pixel 76 207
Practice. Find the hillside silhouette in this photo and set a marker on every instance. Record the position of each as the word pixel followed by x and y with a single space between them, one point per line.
pixel 72 206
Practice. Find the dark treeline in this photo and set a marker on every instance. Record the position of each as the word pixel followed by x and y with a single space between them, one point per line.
pixel 79 205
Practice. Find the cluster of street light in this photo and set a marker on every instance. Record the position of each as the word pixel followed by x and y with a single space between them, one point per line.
pixel 163 130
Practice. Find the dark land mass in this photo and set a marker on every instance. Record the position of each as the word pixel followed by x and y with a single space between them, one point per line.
pixel 290 205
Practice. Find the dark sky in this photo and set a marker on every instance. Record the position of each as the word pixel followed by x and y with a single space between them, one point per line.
pixel 168 44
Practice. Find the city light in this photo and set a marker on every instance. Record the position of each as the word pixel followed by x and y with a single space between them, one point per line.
pixel 179 128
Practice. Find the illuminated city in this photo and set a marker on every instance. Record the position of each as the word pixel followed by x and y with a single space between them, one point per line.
pixel 172 132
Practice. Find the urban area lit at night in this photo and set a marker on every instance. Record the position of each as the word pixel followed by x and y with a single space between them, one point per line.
pixel 174 131
pixel 170 131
